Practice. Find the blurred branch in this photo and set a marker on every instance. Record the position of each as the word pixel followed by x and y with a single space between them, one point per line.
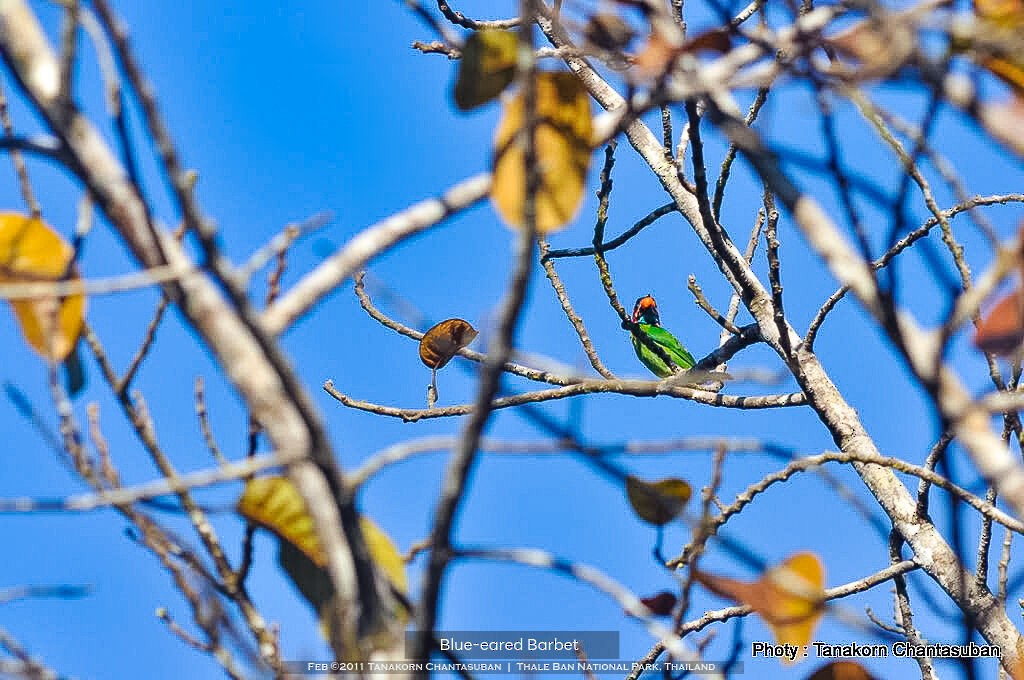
pixel 901 245
pixel 479 357
pixel 984 507
pixel 842 421
pixel 252 363
pixel 366 245
pixel 64 592
pixel 586 574
pixel 26 666
pixel 499 350
pixel 570 313
pixel 405 450
pixel 716 616
pixel 229 471
pixel 619 240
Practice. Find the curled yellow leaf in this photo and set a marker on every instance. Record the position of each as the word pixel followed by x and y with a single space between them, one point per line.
pixel 659 502
pixel 562 143
pixel 487 67
pixel 30 250
pixel 444 340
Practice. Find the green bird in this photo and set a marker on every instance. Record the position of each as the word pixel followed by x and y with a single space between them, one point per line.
pixel 645 315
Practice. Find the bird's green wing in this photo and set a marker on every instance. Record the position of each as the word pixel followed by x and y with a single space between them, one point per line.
pixel 675 350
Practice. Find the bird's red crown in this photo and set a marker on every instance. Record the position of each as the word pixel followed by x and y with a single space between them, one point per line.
pixel 646 311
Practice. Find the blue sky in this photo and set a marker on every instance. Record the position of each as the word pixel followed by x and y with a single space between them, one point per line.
pixel 289 111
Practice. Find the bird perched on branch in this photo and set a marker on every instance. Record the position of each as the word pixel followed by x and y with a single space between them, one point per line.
pixel 645 316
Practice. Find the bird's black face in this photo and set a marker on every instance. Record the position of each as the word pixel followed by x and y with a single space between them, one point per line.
pixel 646 311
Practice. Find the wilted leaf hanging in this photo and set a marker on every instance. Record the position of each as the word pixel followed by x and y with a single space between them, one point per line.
pixel 660 502
pixel 789 597
pixel 1001 331
pixel 562 142
pixel 841 670
pixel 30 250
pixel 487 67
pixel 444 340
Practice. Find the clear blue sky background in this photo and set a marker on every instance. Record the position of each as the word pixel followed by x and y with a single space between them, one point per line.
pixel 288 111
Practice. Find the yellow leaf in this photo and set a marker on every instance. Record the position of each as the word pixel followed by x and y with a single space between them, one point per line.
pixel 796 591
pixel 1005 12
pixel 789 597
pixel 487 67
pixel 443 341
pixel 276 505
pixel 563 151
pixel 30 250
pixel 384 554
pixel 1010 72
pixel 660 502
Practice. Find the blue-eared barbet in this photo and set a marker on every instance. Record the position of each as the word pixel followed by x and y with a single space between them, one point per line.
pixel 645 315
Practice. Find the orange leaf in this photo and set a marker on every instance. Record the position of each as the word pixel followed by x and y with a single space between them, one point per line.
pixel 1001 331
pixel 995 37
pixel 789 597
pixel 443 341
pixel 841 670
pixel 795 589
pixel 563 151
pixel 742 592
pixel 1003 11
pixel 30 250
pixel 655 56
pixel 1007 71
pixel 713 40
